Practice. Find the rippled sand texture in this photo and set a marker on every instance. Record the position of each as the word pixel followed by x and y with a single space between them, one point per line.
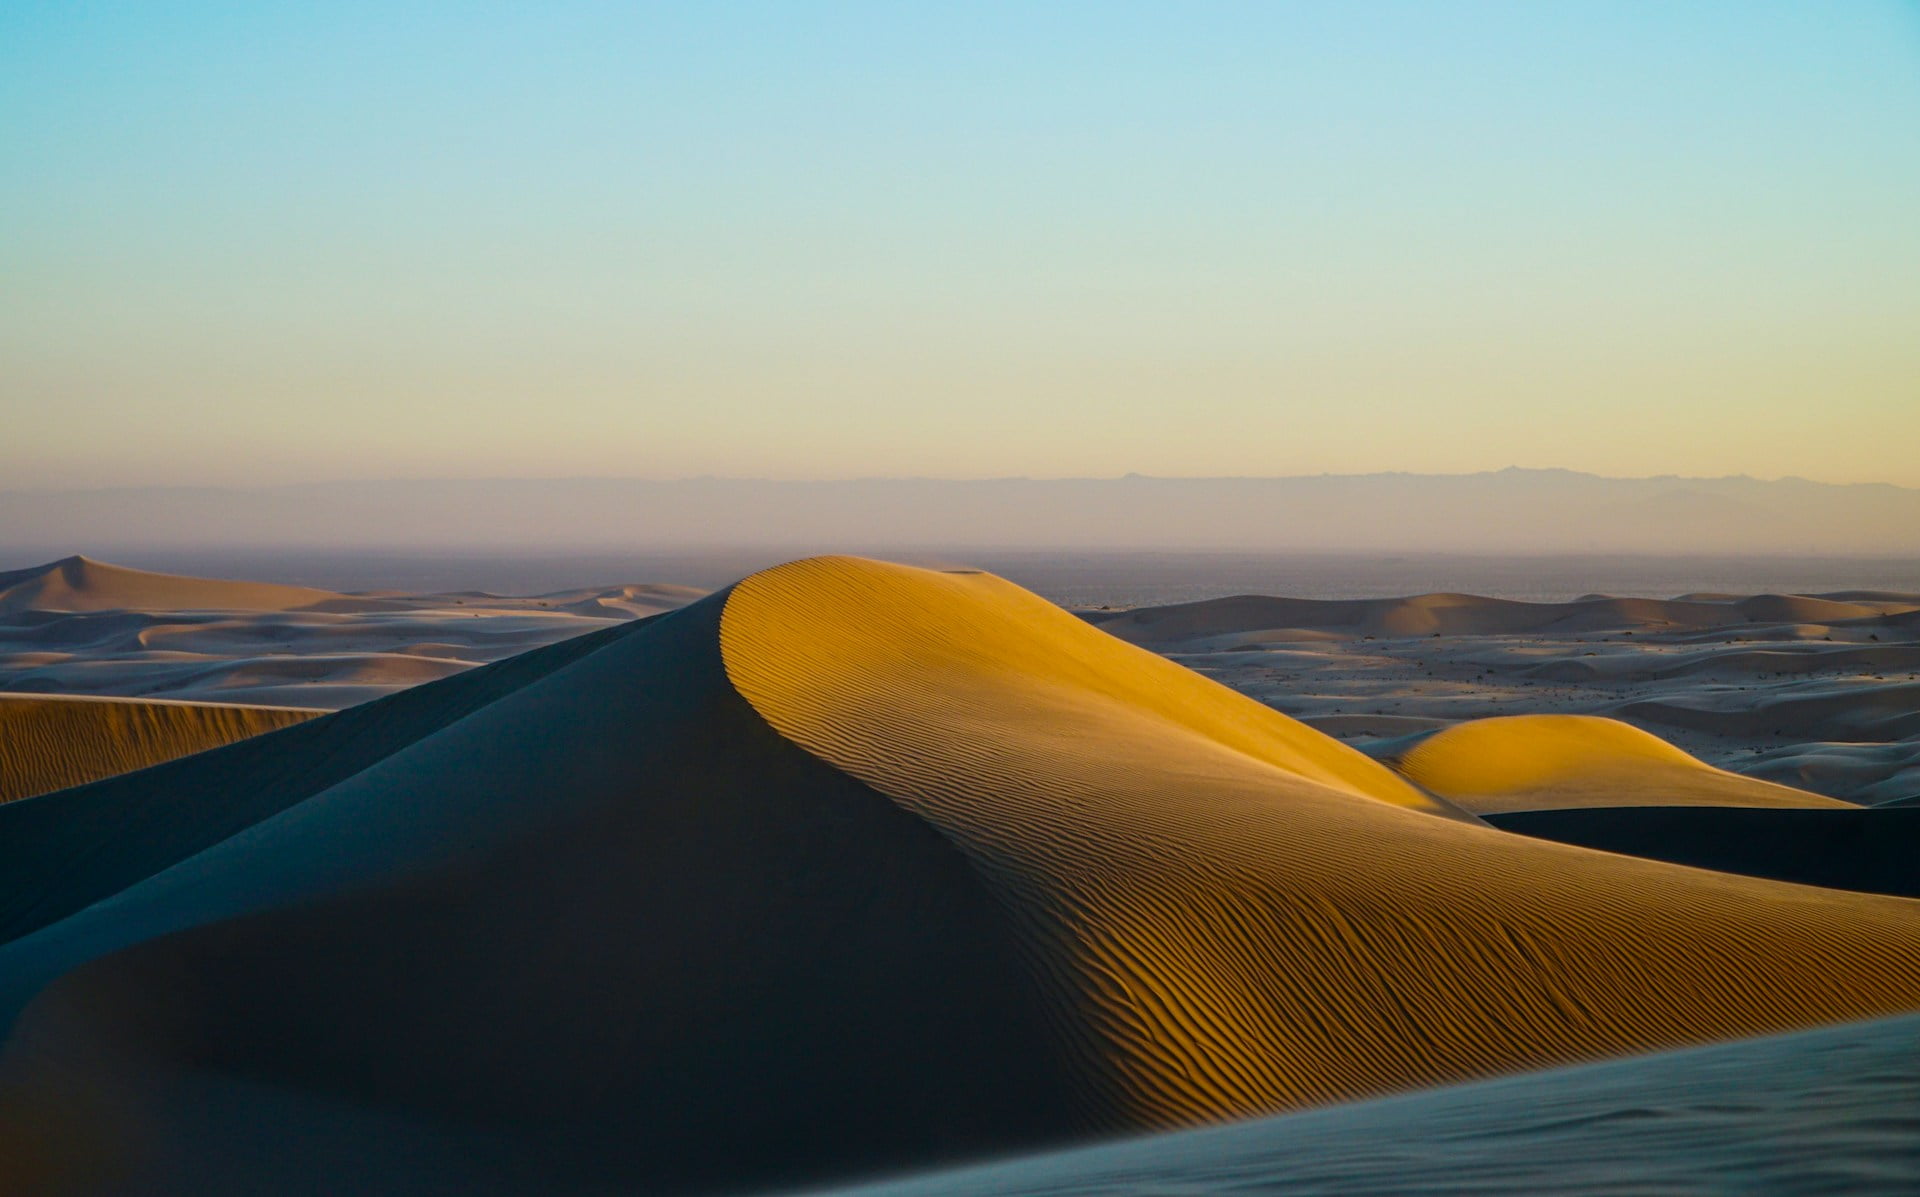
pixel 1235 920
pixel 1836 1110
pixel 53 743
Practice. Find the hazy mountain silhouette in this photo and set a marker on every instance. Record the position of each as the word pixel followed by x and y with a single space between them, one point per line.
pixel 1509 510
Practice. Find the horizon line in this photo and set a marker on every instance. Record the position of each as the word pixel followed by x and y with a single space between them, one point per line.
pixel 1130 475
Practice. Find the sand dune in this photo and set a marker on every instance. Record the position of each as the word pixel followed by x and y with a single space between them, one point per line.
pixel 1545 762
pixel 849 867
pixel 1866 773
pixel 1843 711
pixel 53 743
pixel 1475 615
pixel 82 627
pixel 1823 1111
pixel 81 584
pixel 1136 854
pixel 1808 705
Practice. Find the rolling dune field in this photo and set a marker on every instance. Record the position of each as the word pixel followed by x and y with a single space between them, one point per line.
pixel 855 868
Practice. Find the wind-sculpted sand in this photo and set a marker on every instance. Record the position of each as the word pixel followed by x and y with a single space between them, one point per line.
pixel 849 868
pixel 1191 896
pixel 53 743
pixel 1836 1110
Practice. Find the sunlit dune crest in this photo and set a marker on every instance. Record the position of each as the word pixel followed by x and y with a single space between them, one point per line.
pixel 1542 762
pixel 1247 927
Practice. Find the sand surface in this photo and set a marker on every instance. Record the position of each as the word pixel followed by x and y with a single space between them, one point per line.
pixel 856 868
pixel 1546 762
pixel 83 627
pixel 1835 1110
pixel 49 743
pixel 1819 693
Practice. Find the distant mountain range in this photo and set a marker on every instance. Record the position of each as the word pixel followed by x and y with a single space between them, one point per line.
pixel 1513 510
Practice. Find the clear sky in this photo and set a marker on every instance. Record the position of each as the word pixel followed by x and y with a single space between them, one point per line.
pixel 253 241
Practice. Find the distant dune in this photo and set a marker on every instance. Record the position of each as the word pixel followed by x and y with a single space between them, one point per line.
pixel 78 626
pixel 53 743
pixel 1218 623
pixel 1546 762
pixel 81 584
pixel 846 868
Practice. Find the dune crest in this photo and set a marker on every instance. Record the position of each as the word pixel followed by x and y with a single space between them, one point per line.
pixel 1250 928
pixel 1545 762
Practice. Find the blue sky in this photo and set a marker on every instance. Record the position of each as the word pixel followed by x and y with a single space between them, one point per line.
pixel 256 242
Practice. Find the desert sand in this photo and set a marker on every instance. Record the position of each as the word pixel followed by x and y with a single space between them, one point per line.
pixel 1754 685
pixel 78 626
pixel 53 743
pixel 1546 762
pixel 1824 1111
pixel 850 868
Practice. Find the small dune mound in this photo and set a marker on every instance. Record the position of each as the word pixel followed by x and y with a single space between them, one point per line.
pixel 1546 762
pixel 82 584
pixel 1800 608
pixel 51 743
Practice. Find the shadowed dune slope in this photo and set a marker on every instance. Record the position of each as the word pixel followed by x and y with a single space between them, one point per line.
pixel 1544 762
pixel 604 929
pixel 1241 926
pixel 61 852
pixel 49 743
pixel 82 584
pixel 1858 848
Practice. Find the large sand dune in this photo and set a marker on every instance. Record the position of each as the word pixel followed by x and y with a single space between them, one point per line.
pixel 849 867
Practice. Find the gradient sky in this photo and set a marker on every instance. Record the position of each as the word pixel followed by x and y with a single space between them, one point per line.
pixel 256 242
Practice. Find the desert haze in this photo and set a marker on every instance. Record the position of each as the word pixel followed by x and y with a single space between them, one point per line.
pixel 1509 511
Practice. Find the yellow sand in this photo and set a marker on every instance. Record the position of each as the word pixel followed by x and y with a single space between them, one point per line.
pixel 1544 762
pixel 52 742
pixel 1233 913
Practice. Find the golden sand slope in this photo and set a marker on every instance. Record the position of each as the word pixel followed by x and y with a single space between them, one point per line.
pixel 1544 762
pixel 52 742
pixel 1235 914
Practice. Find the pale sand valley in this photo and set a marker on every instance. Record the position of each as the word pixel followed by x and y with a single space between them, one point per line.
pixel 854 873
